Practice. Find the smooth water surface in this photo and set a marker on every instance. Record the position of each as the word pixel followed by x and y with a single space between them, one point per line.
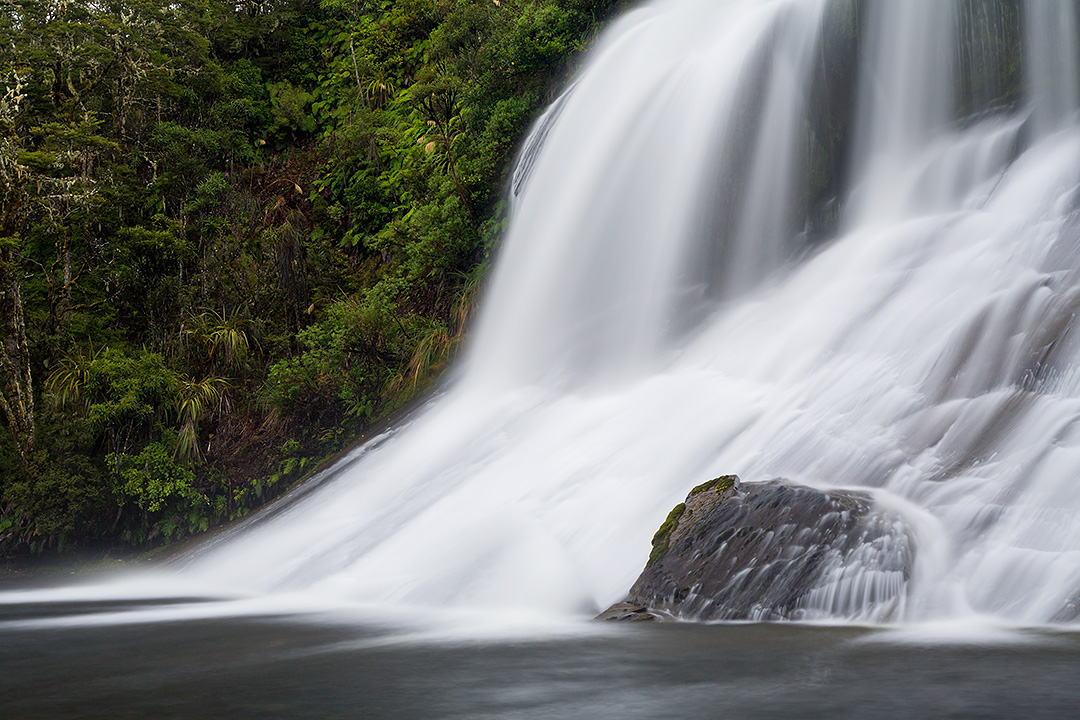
pixel 329 666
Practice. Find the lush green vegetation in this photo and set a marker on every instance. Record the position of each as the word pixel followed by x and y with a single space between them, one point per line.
pixel 233 234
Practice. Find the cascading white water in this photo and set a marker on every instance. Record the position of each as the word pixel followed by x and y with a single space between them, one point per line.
pixel 927 352
pixel 604 252
pixel 1052 62
pixel 905 86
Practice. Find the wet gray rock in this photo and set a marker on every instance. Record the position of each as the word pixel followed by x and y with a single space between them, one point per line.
pixel 628 612
pixel 772 551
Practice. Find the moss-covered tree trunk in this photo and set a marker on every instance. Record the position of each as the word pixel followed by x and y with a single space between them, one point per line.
pixel 16 386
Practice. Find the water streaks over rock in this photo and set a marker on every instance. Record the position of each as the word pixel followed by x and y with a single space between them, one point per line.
pixel 769 551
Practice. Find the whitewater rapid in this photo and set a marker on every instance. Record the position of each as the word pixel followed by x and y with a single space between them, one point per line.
pixel 658 317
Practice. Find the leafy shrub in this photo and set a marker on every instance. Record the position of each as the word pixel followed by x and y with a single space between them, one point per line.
pixel 152 479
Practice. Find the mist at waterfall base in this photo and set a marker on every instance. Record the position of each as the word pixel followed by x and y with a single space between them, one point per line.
pixel 825 241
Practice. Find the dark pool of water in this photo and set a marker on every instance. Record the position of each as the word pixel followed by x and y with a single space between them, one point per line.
pixel 300 668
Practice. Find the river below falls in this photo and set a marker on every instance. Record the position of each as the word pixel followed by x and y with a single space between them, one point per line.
pixel 57 662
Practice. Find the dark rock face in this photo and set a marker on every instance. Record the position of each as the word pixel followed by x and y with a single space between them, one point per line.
pixel 772 551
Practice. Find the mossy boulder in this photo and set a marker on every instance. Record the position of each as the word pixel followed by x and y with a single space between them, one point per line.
pixel 771 551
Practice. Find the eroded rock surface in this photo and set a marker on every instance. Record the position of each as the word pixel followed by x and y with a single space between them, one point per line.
pixel 770 551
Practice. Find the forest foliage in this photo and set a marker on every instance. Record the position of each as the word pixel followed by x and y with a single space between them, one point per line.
pixel 235 234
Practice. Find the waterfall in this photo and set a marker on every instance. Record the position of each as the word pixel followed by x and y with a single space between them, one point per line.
pixel 904 99
pixel 787 238
pixel 1051 61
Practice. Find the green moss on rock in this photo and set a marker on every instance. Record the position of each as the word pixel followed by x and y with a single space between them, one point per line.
pixel 663 535
pixel 720 484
